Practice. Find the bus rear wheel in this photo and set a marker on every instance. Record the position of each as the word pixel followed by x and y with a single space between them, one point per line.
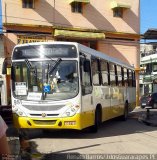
pixel 126 111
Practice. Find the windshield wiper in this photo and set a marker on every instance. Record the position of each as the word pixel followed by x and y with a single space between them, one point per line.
pixel 30 67
pixel 53 67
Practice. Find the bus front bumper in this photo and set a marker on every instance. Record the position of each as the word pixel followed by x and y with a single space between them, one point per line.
pixel 78 122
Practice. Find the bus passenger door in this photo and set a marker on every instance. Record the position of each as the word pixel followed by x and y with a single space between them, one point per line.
pixel 86 87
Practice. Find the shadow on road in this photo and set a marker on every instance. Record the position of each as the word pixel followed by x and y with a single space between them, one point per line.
pixel 111 128
pixel 114 127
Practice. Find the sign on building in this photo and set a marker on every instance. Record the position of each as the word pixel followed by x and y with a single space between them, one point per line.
pixel 30 39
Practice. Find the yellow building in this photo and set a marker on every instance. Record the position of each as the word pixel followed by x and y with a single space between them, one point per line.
pixel 110 26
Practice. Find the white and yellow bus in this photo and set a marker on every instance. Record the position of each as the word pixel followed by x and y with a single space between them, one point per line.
pixel 65 85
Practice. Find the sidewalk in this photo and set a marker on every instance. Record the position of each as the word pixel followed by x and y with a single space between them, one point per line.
pixel 148 119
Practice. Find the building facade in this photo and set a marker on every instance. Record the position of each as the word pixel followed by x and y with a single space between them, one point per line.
pixel 148 77
pixel 110 26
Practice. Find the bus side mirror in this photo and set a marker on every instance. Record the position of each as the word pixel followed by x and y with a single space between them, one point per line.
pixel 12 73
pixel 86 66
pixel 4 68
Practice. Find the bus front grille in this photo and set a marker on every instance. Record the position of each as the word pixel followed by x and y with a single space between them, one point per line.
pixel 47 115
pixel 43 107
pixel 44 122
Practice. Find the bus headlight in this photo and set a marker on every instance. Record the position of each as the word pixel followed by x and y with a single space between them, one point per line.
pixel 18 111
pixel 71 111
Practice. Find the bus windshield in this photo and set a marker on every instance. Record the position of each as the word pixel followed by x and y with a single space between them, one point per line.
pixel 44 80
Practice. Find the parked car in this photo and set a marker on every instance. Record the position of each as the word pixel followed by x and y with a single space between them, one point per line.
pixel 149 100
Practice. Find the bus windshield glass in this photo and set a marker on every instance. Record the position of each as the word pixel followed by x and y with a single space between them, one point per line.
pixel 44 80
pixel 44 51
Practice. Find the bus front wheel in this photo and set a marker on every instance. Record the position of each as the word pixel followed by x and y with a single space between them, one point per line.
pixel 97 121
pixel 23 138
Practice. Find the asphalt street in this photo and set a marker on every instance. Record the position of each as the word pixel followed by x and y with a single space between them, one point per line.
pixel 114 137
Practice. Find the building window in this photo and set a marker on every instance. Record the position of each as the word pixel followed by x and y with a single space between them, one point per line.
pixel 93 44
pixel 118 12
pixel 154 67
pixel 28 3
pixel 76 7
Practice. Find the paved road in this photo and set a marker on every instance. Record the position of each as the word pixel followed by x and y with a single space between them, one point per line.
pixel 114 137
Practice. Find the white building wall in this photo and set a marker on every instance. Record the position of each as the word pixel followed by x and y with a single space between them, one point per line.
pixel 3 92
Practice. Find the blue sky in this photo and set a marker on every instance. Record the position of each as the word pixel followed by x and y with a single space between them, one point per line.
pixel 148 14
pixel 0 17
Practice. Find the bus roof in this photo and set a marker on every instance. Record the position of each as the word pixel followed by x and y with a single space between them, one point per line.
pixel 85 50
pixel 103 56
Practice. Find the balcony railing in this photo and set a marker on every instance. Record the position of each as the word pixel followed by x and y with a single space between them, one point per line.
pixel 144 54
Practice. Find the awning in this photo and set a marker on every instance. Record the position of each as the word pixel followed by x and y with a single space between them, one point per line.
pixel 115 4
pixel 150 34
pixel 78 34
pixel 82 1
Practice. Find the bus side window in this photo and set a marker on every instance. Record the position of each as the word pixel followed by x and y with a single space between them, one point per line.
pixel 125 77
pixel 95 71
pixel 108 68
pixel 112 74
pixel 116 78
pixel 104 72
pixel 133 79
pixel 85 78
pixel 119 75
pixel 130 77
pixel 122 70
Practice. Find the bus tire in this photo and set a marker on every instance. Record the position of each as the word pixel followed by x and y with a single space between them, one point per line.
pixel 97 121
pixel 126 109
pixel 23 138
pixel 23 133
